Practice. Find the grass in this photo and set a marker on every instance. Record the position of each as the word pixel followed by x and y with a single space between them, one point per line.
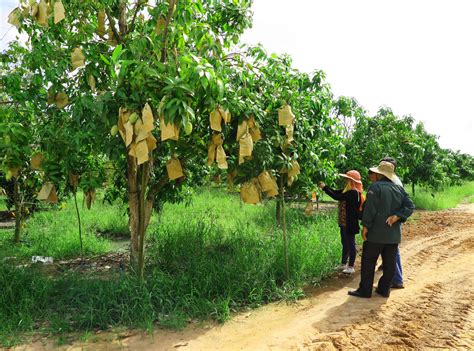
pixel 204 260
pixel 446 198
pixel 55 233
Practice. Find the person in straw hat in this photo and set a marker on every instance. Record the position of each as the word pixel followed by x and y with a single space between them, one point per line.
pixel 349 202
pixel 397 282
pixel 386 207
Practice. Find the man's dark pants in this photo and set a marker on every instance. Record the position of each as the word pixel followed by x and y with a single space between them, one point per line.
pixel 370 253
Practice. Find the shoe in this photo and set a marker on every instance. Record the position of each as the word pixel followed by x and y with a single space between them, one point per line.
pixel 357 293
pixel 341 267
pixel 397 286
pixel 349 270
pixel 382 294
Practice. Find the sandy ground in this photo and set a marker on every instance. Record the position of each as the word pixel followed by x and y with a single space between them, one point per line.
pixel 434 311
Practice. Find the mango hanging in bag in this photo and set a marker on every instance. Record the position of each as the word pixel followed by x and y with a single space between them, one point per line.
pixel 246 146
pixel 221 158
pixel 90 198
pixel 73 180
pixel 101 23
pixel 77 58
pixel 215 119
pixel 14 18
pixel 255 133
pixel 42 15
pixel 174 169
pixel 91 82
pixel 242 129
pixel 36 160
pixel 265 181
pixel 141 151
pixel 59 12
pixel 285 116
pixel 168 131
pixel 48 193
pixel 61 100
pixel 250 193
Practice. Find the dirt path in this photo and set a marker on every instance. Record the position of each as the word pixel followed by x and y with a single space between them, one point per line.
pixel 434 311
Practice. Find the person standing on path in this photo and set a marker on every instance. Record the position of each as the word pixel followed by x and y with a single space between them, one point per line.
pixel 349 202
pixel 397 282
pixel 386 207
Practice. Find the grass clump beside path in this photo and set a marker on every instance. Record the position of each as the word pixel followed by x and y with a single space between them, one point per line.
pixel 204 260
pixel 448 197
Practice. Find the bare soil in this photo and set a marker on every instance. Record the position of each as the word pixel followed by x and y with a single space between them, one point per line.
pixel 434 311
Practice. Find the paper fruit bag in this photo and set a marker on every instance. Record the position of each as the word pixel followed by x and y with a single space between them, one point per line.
pixel 285 116
pixel 48 193
pixel 250 193
pixel 174 169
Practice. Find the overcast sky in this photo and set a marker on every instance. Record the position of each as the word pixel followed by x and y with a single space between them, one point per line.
pixel 415 56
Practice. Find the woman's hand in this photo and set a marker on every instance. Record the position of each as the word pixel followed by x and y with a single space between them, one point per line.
pixel 322 185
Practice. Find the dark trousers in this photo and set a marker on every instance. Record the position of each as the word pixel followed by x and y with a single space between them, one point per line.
pixel 370 253
pixel 348 247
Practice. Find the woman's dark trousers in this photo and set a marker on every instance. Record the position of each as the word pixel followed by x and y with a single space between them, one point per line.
pixel 348 247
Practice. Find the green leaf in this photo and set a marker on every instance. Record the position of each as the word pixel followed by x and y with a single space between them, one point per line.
pixel 105 59
pixel 117 52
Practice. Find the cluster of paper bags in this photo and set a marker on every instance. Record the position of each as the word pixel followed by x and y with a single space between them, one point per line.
pixel 215 151
pixel 39 12
pixel 248 133
pixel 251 191
pixel 136 132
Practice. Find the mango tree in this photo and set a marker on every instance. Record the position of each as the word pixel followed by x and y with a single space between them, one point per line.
pixel 130 67
pixel 16 139
pixel 280 138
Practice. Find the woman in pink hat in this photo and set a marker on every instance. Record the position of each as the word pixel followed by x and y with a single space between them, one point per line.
pixel 349 203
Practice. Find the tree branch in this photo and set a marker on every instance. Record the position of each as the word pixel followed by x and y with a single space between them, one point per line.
pixel 157 187
pixel 136 10
pixel 165 33
pixel 123 18
pixel 112 26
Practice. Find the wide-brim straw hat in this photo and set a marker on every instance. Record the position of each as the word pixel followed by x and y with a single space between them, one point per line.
pixel 386 169
pixel 352 175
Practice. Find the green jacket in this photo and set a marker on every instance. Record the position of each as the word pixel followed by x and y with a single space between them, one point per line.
pixel 384 199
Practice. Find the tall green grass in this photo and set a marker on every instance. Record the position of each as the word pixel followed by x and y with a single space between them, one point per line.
pixel 448 197
pixel 53 231
pixel 204 260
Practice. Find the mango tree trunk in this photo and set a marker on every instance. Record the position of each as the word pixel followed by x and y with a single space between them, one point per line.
pixel 283 225
pixel 18 210
pixel 278 211
pixel 141 197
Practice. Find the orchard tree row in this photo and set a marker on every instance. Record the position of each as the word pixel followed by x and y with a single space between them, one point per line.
pixel 421 160
pixel 148 99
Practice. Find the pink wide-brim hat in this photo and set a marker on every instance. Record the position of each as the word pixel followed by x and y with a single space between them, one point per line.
pixel 352 175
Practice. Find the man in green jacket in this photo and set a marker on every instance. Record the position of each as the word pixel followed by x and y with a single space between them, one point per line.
pixel 387 206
